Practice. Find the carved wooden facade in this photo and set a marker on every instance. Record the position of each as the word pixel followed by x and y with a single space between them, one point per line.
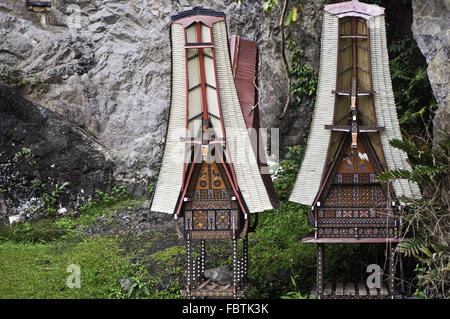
pixel 348 146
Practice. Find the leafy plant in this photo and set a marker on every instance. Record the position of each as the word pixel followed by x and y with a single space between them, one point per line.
pixel 428 218
pixel 51 199
pixel 269 5
pixel 117 194
pixel 38 186
pixel 39 87
pixel 286 173
pixel 15 78
pixel 24 152
pixel 276 252
pixel 296 294
pixel 65 223
pixel 305 79
pixel 138 289
pixel 412 90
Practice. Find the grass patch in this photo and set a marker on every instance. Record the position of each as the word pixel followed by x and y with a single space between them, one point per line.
pixel 276 253
pixel 42 231
pixel 38 270
pixel 168 256
pixel 91 213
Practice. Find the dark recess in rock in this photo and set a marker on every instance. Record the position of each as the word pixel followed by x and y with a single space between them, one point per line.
pixel 36 143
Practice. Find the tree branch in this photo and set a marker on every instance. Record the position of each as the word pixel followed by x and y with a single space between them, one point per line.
pixel 283 58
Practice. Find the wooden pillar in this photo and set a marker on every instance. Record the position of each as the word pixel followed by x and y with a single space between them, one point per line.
pixel 189 268
pixel 245 257
pixel 202 258
pixel 320 267
pixel 235 267
pixel 391 280
pixel 402 282
pixel 198 270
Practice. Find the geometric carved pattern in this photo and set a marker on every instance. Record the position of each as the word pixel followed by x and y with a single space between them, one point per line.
pixel 223 219
pixel 340 213
pixel 200 220
pixel 354 178
pixel 210 207
pixel 351 232
pixel 356 196
pixel 355 205
pixel 210 235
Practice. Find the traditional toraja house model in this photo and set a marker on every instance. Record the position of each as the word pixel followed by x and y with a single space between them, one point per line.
pixel 210 179
pixel 348 146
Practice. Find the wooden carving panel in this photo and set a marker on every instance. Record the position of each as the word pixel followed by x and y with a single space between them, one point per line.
pixel 354 203
pixel 356 196
pixel 356 161
pixel 210 209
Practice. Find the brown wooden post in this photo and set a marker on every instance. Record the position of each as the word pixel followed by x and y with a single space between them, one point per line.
pixel 391 280
pixel 202 258
pixel 245 258
pixel 320 267
pixel 235 270
pixel 189 268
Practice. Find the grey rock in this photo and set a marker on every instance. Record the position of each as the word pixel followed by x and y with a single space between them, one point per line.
pixel 136 221
pixel 430 28
pixel 125 283
pixel 14 219
pixel 146 204
pixel 3 208
pixel 220 275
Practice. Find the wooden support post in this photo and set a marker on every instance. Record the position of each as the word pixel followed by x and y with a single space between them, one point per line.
pixel 198 270
pixel 239 271
pixel 245 258
pixel 235 267
pixel 320 268
pixel 391 280
pixel 202 258
pixel 189 268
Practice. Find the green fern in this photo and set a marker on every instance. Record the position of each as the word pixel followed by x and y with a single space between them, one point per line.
pixel 394 175
pixel 413 247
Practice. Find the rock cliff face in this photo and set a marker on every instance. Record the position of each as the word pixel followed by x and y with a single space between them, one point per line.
pixel 431 29
pixel 37 144
pixel 107 66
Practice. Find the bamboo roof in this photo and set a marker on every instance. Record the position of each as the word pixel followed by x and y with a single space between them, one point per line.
pixel 219 96
pixel 321 142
